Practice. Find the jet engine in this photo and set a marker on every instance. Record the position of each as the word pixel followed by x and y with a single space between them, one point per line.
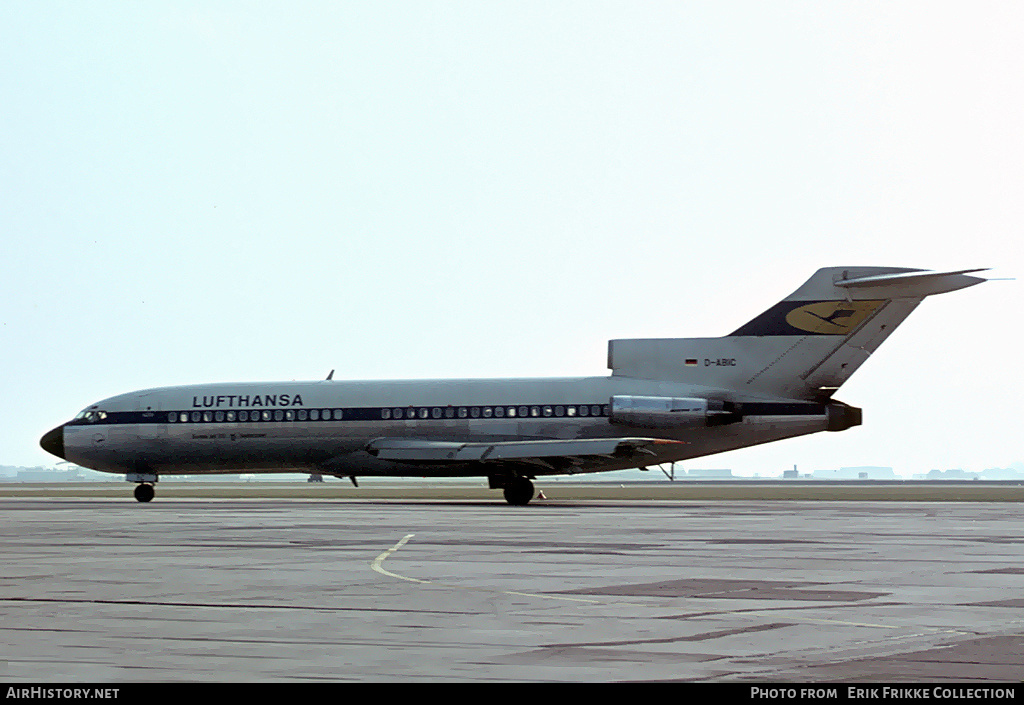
pixel 671 412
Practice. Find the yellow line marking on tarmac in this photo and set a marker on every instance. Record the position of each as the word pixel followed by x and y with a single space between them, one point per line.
pixel 378 565
pixel 378 562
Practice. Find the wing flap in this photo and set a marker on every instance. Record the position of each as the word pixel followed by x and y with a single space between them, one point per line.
pixel 419 450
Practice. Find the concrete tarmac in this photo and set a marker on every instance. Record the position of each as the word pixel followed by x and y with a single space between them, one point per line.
pixel 192 589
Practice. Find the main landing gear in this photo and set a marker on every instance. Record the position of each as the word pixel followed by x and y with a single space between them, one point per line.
pixel 519 492
pixel 144 492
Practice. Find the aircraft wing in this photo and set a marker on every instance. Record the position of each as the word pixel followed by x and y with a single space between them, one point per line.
pixel 547 453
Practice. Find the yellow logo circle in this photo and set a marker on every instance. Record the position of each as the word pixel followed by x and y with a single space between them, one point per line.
pixel 831 317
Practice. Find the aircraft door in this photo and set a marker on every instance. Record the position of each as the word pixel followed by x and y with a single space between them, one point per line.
pixel 151 424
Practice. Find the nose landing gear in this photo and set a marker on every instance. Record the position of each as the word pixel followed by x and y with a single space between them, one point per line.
pixel 144 492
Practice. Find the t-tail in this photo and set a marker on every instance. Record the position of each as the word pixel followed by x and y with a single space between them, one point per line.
pixel 803 347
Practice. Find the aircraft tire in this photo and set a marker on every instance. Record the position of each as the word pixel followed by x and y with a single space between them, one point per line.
pixel 144 492
pixel 519 493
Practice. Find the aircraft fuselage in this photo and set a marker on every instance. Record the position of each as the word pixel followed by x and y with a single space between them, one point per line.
pixel 325 426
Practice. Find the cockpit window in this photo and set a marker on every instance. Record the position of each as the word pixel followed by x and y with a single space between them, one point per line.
pixel 92 415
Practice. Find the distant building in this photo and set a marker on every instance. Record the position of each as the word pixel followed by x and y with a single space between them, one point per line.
pixel 709 474
pixel 1001 474
pixel 41 474
pixel 952 474
pixel 862 472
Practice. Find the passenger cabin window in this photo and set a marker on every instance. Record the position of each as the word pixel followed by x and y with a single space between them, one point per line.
pixel 410 412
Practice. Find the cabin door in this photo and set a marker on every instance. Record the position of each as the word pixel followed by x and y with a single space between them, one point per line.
pixel 151 423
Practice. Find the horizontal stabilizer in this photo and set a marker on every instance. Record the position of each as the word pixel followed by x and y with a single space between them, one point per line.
pixel 911 284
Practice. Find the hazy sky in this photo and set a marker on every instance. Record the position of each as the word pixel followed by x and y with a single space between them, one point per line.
pixel 214 191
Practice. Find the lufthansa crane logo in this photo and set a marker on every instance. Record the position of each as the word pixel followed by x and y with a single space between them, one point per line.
pixel 831 317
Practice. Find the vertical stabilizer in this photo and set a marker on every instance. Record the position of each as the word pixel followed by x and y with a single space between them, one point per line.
pixel 803 347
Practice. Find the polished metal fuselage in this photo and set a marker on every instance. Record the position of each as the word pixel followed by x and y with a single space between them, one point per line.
pixel 178 430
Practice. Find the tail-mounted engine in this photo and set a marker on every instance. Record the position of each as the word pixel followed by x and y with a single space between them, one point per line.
pixel 671 412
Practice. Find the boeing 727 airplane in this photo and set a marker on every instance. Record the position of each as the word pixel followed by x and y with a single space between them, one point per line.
pixel 666 400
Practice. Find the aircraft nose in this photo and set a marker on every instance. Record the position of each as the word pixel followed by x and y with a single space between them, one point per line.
pixel 53 442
